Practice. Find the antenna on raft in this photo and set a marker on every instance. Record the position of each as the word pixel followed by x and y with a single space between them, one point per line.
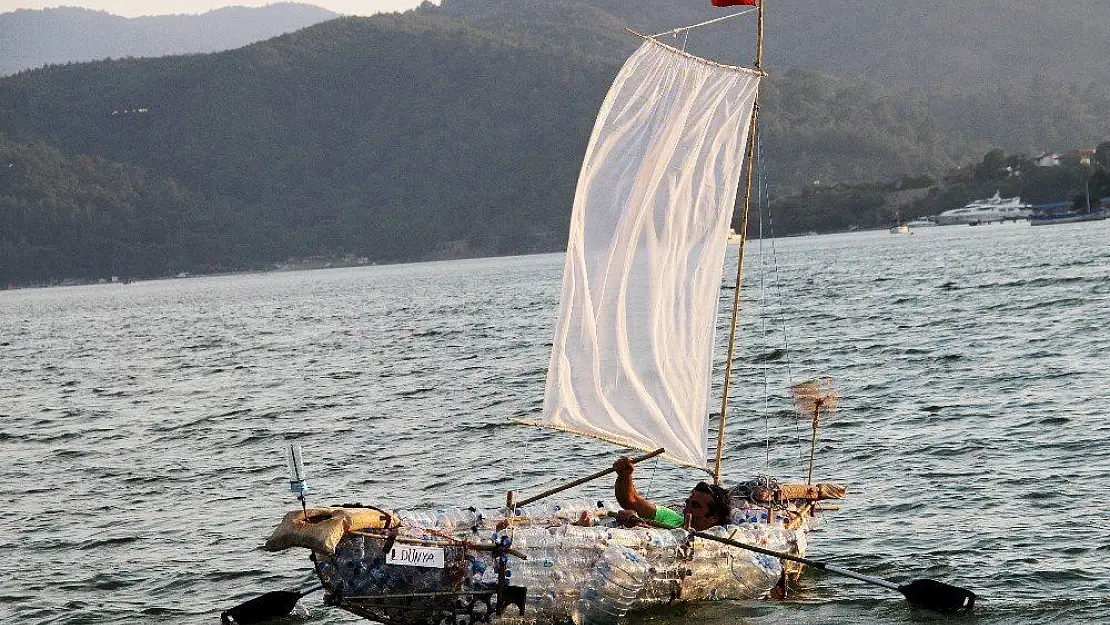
pixel 813 398
pixel 297 484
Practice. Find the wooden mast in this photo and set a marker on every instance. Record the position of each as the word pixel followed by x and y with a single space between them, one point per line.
pixel 752 129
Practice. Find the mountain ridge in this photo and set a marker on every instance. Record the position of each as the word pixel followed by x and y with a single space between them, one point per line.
pixel 946 43
pixel 435 133
pixel 34 38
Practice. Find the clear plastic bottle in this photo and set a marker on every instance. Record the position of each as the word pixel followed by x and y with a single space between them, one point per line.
pixel 604 509
pixel 479 520
pixel 528 538
pixel 538 572
pixel 616 579
pixel 632 538
pixel 454 519
pixel 573 509
pixel 417 518
pixel 575 536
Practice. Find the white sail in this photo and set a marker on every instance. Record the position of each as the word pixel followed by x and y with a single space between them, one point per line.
pixel 633 346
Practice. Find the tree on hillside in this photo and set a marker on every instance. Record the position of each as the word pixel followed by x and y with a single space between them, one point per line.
pixel 1102 155
pixel 993 166
pixel 1100 184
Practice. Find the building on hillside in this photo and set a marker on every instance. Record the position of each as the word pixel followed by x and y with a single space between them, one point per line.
pixel 1048 159
pixel 957 174
pixel 1082 156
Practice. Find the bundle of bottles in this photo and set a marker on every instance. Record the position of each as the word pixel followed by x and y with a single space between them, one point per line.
pixel 591 575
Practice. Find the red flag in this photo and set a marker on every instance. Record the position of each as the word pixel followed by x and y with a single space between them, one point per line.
pixel 732 3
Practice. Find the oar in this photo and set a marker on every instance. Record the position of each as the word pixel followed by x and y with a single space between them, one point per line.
pixel 921 593
pixel 271 605
pixel 583 480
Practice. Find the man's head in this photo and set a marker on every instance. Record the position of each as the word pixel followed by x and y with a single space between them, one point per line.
pixel 708 505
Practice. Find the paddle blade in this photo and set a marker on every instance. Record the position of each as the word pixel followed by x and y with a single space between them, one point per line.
pixel 938 596
pixel 271 605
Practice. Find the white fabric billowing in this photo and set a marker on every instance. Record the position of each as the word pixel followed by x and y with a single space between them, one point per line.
pixel 633 345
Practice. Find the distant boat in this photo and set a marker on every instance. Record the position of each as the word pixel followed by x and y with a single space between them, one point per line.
pixel 899 226
pixel 1066 213
pixel 994 208
pixel 1068 218
pixel 921 222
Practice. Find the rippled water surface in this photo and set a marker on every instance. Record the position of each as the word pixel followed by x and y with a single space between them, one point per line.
pixel 141 425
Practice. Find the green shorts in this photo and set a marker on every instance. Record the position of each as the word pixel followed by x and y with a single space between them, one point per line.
pixel 667 517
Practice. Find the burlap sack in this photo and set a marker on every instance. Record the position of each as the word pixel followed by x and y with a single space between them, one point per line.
pixel 813 492
pixel 323 529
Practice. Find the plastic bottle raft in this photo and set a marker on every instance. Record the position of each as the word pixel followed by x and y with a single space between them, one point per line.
pixel 462 566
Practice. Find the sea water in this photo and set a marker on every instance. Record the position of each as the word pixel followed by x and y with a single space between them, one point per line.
pixel 143 426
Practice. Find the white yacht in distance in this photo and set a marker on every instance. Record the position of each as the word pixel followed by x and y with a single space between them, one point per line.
pixel 994 208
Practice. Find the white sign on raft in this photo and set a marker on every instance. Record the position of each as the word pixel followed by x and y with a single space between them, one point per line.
pixel 408 555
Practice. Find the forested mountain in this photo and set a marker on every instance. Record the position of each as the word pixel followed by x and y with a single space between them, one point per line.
pixel 33 38
pixel 949 43
pixel 441 132
pixel 945 44
pixel 389 138
pixel 1023 76
pixel 86 218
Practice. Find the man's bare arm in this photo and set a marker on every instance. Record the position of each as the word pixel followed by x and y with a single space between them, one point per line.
pixel 627 495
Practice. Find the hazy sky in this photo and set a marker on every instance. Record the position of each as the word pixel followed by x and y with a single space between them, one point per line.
pixel 134 8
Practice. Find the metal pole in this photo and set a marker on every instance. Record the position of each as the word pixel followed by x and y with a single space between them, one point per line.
pixel 813 441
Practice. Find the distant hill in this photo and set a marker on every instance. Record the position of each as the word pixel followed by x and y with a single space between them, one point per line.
pixel 1023 76
pixel 33 38
pixel 957 44
pixel 388 138
pixel 442 132
pixel 573 26
pixel 88 218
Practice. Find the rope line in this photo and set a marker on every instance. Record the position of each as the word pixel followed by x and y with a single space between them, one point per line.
pixel 674 32
pixel 777 283
pixel 763 303
pixel 771 300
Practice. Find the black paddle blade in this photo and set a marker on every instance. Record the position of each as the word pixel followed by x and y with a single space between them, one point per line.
pixel 271 605
pixel 938 596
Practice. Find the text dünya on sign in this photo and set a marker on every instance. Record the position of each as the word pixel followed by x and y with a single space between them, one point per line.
pixel 408 555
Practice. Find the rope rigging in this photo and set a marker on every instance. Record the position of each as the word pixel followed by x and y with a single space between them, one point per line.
pixel 685 29
pixel 771 298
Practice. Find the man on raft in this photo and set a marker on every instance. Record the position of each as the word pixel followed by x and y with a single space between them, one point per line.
pixel 707 505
